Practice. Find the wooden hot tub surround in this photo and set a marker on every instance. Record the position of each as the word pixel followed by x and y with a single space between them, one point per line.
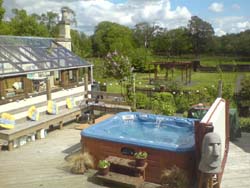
pixel 157 160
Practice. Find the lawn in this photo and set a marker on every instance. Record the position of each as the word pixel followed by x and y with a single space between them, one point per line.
pixel 199 79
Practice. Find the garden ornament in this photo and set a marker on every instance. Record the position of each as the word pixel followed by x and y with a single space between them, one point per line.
pixel 211 154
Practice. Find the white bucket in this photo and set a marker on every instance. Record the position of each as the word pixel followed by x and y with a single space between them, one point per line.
pixel 16 143
pixel 23 140
pixel 42 133
pixel 33 137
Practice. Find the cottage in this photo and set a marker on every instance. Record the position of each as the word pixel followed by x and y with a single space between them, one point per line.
pixel 29 64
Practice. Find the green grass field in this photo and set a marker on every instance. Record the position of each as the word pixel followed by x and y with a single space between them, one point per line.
pixel 199 79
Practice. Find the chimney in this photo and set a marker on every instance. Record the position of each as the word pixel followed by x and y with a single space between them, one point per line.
pixel 64 29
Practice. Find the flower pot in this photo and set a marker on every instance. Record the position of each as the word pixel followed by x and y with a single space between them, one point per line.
pixel 103 171
pixel 140 162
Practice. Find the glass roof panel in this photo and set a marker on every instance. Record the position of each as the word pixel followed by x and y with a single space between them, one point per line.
pixel 20 55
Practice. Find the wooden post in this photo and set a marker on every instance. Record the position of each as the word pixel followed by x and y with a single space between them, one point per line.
pixel 186 75
pixel 167 73
pixel 77 76
pixel 156 71
pixel 200 130
pixel 38 134
pixel 78 117
pixel 10 145
pixel 182 75
pixel 28 86
pixel 208 180
pixel 93 117
pixel 64 78
pixel 60 125
pixel 86 83
pixel 190 72
pixel 48 89
pixel 2 88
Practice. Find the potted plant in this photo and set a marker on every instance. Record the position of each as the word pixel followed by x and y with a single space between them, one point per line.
pixel 140 158
pixel 103 167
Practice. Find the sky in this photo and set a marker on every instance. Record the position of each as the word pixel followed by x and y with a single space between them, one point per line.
pixel 225 16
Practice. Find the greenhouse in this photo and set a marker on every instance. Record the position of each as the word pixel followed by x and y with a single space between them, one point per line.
pixel 27 62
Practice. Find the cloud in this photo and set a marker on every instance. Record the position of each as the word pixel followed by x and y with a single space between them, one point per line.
pixel 90 12
pixel 219 32
pixel 231 24
pixel 216 7
pixel 236 6
pixel 243 25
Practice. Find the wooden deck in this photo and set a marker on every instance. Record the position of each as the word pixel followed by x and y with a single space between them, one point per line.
pixel 237 170
pixel 41 163
pixel 29 127
pixel 86 125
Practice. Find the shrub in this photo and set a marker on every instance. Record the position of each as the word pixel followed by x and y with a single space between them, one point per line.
pixel 163 103
pixel 79 163
pixel 182 103
pixel 141 100
pixel 245 124
pixel 139 58
pixel 174 178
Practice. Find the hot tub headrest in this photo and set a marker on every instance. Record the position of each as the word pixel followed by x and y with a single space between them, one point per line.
pixel 128 117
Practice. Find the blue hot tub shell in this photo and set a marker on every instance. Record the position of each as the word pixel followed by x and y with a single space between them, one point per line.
pixel 148 130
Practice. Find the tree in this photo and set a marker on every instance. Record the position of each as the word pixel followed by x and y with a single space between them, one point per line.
pixel 172 42
pixel 244 97
pixel 4 26
pixel 179 41
pixel 244 43
pixel 144 33
pixel 110 37
pixel 117 66
pixel 2 11
pixel 139 58
pixel 161 43
pixel 201 33
pixel 245 88
pixel 50 20
pixel 23 24
pixel 81 44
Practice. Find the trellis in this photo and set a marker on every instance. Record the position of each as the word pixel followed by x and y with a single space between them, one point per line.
pixel 185 67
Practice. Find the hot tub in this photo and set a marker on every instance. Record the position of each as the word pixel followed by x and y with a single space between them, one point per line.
pixel 168 140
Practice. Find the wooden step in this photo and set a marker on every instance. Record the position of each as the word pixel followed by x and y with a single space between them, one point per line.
pixel 126 166
pixel 120 180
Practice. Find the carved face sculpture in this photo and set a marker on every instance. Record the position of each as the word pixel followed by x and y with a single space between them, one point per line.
pixel 211 154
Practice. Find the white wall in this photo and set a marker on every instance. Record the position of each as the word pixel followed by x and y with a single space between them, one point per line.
pixel 217 116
